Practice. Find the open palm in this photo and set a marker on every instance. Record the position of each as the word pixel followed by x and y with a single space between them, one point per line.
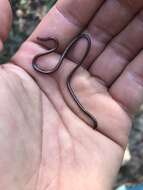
pixel 45 140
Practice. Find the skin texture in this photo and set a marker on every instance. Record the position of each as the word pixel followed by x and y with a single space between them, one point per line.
pixel 45 142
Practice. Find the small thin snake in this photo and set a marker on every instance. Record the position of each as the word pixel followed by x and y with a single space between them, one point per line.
pixel 69 78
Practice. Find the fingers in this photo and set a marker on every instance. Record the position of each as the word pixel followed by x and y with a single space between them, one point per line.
pixel 111 18
pixel 62 22
pixel 5 20
pixel 120 51
pixel 66 20
pixel 128 88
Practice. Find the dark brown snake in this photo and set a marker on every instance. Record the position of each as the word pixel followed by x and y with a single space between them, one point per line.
pixel 37 67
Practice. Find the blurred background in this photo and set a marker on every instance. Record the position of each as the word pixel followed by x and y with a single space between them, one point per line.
pixel 27 14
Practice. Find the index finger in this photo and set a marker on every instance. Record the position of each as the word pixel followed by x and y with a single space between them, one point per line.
pixel 66 19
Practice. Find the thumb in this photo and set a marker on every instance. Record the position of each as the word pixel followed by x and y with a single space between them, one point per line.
pixel 5 20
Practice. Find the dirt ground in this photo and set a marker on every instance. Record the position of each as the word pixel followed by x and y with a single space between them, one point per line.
pixel 27 14
pixel 132 171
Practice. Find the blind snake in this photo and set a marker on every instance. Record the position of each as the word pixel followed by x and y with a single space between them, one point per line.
pixel 37 67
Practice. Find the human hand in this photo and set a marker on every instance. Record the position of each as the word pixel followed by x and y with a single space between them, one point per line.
pixel 44 140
